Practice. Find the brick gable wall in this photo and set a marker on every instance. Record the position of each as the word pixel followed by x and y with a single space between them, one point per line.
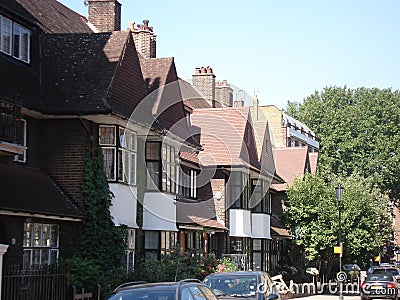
pixel 62 147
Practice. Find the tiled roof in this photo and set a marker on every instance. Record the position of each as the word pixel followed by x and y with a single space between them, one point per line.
pixel 164 100
pixel 39 194
pixel 189 156
pixel 226 135
pixel 278 229
pixel 196 212
pixel 191 97
pixel 197 103
pixel 156 72
pixel 83 73
pixel 52 16
pixel 291 163
pixel 264 146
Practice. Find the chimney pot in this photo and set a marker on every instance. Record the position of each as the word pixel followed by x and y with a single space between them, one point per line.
pixel 146 23
pixel 132 26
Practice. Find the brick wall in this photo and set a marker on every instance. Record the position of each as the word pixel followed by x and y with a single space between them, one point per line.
pixel 105 15
pixel 62 147
pixel 278 133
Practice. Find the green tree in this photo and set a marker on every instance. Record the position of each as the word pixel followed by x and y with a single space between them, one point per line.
pixel 358 131
pixel 312 215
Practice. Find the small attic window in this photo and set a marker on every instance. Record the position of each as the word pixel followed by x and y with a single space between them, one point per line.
pixel 14 39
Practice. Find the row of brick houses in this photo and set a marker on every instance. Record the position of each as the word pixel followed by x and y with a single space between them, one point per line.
pixel 210 177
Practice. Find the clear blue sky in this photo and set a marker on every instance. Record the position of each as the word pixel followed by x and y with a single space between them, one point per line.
pixel 281 50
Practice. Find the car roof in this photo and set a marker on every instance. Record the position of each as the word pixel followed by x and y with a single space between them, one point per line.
pixel 237 273
pixel 154 285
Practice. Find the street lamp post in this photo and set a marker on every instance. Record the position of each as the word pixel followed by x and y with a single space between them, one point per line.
pixel 339 195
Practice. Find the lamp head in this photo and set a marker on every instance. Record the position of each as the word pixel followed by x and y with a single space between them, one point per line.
pixel 339 192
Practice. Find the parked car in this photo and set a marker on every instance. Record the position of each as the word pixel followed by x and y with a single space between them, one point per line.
pixel 392 270
pixel 187 289
pixel 242 284
pixel 353 271
pixel 379 285
pixel 371 269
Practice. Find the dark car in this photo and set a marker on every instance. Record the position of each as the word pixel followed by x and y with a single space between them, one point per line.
pixel 188 289
pixel 353 271
pixel 392 270
pixel 242 284
pixel 379 285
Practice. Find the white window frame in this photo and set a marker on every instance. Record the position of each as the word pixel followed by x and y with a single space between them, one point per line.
pixel 188 183
pixel 37 241
pixel 130 250
pixel 22 157
pixel 23 44
pixel 24 38
pixel 10 33
pixel 128 151
pixel 106 146
pixel 169 170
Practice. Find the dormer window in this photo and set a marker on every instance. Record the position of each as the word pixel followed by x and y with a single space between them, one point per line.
pixel 14 39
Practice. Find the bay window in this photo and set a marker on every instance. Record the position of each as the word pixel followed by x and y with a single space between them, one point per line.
pixel 169 240
pixel 158 164
pixel 260 196
pixel 151 244
pixel 189 183
pixel 119 153
pixel 239 189
pixel 153 164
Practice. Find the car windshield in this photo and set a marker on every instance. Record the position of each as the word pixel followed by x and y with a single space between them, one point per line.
pixel 379 277
pixel 392 271
pixel 144 295
pixel 233 285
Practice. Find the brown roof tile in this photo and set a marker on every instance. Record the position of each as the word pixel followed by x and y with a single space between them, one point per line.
pixel 226 135
pixel 83 73
pixel 190 157
pixel 39 193
pixel 291 163
pixel 53 17
pixel 196 212
pixel 164 100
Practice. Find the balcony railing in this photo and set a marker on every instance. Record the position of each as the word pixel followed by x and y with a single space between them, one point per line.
pixel 10 125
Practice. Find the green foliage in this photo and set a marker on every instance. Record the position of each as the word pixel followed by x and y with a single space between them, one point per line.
pixel 102 245
pixel 83 272
pixel 312 215
pixel 178 266
pixel 359 133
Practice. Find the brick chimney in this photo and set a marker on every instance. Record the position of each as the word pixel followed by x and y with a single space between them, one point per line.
pixel 223 93
pixel 145 39
pixel 203 80
pixel 105 15
pixel 238 103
